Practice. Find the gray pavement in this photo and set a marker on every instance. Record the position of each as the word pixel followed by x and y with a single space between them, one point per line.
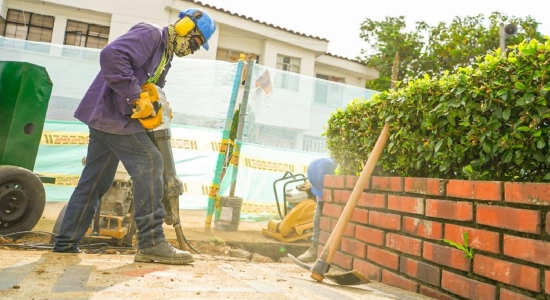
pixel 45 275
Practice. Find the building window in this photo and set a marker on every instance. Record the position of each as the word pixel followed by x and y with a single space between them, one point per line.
pixel 28 26
pixel 86 35
pixel 287 80
pixel 314 144
pixel 327 91
pixel 233 55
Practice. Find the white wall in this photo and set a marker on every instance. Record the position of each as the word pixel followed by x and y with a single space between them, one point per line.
pixel 234 32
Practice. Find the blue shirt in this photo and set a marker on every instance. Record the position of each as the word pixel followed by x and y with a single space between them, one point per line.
pixel 126 63
pixel 316 172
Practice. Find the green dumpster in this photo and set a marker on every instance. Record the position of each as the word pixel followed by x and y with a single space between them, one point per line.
pixel 25 91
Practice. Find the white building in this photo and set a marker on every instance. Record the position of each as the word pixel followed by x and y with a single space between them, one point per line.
pixel 94 23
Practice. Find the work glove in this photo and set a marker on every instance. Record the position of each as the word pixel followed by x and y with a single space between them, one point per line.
pixel 143 107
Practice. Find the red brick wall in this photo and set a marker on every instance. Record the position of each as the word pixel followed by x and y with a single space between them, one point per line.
pixel 395 235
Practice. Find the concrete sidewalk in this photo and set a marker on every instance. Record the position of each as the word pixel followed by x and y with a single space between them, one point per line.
pixel 42 274
pixel 48 275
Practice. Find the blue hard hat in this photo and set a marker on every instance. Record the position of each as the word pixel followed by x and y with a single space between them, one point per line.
pixel 203 21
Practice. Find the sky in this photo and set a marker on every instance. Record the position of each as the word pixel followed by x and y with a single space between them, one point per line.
pixel 339 21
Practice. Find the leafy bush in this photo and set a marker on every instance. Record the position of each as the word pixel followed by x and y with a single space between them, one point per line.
pixel 488 121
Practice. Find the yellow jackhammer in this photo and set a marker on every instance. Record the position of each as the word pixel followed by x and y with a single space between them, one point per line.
pixel 173 187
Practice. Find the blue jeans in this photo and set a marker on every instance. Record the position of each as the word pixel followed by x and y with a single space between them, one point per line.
pixel 144 164
pixel 317 220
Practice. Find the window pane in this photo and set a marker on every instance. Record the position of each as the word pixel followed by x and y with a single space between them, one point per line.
pixel 18 16
pixel 70 39
pixel 87 35
pixel 16 31
pixel 71 26
pixel 40 34
pixel 42 21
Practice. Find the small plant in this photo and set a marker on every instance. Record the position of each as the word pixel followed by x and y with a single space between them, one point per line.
pixel 219 241
pixel 469 251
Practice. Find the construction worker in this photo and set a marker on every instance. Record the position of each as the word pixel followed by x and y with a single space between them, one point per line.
pixel 316 172
pixel 116 108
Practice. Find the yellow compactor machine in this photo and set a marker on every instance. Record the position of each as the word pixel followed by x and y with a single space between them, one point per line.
pixel 296 212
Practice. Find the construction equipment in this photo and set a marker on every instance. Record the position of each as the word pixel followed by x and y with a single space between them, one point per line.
pixel 114 218
pixel 113 222
pixel 25 90
pixel 299 209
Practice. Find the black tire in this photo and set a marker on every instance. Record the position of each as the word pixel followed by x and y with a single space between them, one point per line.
pixel 22 199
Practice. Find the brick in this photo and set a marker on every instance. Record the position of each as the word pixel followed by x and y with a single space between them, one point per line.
pixel 393 279
pixel 326 224
pixel 392 184
pixel 475 190
pixel 477 238
pixel 404 244
pixel 342 260
pixel 329 181
pixel 372 200
pixel 426 291
pixel 332 210
pixel 527 249
pixel 547 282
pixel 509 295
pixel 350 181
pixel 345 197
pixel 447 256
pixel 349 230
pixel 354 247
pixel 422 271
pixel 338 182
pixel 383 220
pixel 383 257
pixel 369 235
pixel 323 237
pixel 453 210
pixel 467 288
pixel 517 219
pixel 368 270
pixel 425 186
pixel 423 228
pixel 548 223
pixel 341 196
pixel 527 193
pixel 360 216
pixel 327 196
pixel 413 205
pixel 507 272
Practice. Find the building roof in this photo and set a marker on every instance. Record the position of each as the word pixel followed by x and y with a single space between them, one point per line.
pixel 254 20
pixel 271 25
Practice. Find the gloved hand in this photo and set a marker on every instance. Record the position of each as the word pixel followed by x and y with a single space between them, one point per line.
pixel 143 107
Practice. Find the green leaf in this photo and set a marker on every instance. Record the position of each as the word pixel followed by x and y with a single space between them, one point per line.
pixel 519 85
pixel 506 114
pixel 523 128
pixel 438 145
pixel 540 143
pixel 465 239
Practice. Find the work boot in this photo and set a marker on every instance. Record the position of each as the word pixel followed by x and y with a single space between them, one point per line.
pixel 164 253
pixel 309 256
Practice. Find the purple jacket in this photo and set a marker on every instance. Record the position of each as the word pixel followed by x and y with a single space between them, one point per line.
pixel 126 63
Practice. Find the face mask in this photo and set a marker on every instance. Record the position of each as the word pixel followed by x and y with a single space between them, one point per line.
pixel 188 44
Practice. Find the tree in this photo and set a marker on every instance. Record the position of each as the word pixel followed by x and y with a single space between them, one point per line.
pixel 432 50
